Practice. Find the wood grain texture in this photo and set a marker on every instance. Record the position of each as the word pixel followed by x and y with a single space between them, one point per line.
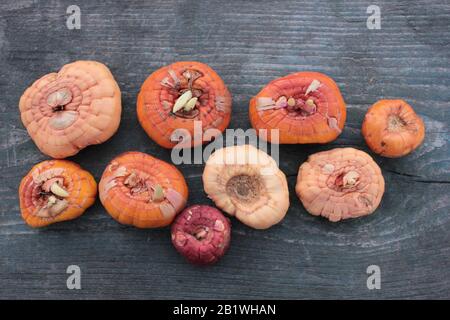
pixel 248 43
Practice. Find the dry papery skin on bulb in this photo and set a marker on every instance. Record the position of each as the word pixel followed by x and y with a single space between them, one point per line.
pixel 54 191
pixel 392 129
pixel 339 184
pixel 67 111
pixel 175 96
pixel 201 234
pixel 140 190
pixel 246 182
pixel 306 107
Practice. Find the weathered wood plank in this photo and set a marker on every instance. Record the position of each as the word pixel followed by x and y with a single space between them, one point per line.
pixel 248 43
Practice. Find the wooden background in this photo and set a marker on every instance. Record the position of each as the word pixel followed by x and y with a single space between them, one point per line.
pixel 248 43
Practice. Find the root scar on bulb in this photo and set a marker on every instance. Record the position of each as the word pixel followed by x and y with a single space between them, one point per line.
pixel 244 187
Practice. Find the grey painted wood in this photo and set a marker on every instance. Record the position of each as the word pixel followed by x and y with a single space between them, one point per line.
pixel 248 43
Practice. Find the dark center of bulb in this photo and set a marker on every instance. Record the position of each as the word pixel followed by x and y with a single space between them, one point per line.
pixel 58 108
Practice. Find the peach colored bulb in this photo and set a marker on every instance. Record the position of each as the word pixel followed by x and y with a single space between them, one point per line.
pixel 339 184
pixel 246 182
pixel 67 111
